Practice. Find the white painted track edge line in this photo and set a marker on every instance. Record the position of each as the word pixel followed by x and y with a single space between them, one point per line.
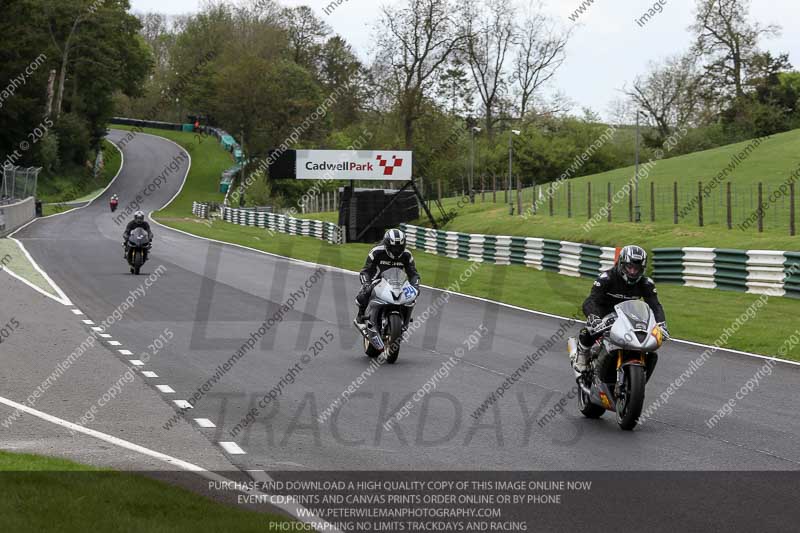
pixel 62 297
pixel 32 285
pixel 184 465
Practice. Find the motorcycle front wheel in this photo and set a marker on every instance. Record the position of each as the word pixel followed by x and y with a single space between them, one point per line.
pixel 395 332
pixel 138 260
pixel 631 398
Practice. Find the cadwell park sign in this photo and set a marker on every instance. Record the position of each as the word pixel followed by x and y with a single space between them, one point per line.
pixel 380 165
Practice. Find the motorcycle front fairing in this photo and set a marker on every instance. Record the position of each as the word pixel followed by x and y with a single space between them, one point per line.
pixel 393 293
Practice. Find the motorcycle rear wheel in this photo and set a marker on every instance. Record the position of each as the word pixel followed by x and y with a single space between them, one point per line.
pixel 395 332
pixel 631 398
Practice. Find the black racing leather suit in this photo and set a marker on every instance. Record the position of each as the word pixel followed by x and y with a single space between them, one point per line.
pixel 611 289
pixel 132 225
pixel 378 262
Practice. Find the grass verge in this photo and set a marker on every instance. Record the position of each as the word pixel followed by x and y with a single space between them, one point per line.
pixel 17 262
pixel 46 494
pixel 62 189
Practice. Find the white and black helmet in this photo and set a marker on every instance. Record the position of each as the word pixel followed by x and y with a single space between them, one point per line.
pixel 138 216
pixel 395 243
pixel 632 264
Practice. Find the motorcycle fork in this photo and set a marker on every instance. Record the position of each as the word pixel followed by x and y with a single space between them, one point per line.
pixel 621 364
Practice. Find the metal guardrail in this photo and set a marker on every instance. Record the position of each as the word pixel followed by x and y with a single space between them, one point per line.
pixel 567 258
pixel 776 273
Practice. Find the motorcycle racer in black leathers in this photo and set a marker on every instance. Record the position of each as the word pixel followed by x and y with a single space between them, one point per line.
pixel 137 222
pixel 626 281
pixel 391 253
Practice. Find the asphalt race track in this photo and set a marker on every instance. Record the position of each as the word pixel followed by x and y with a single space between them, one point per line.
pixel 214 297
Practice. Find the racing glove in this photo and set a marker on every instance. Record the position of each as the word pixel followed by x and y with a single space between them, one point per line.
pixel 663 326
pixel 593 321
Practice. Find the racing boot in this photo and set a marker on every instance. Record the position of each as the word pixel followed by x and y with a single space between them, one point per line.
pixel 361 320
pixel 582 359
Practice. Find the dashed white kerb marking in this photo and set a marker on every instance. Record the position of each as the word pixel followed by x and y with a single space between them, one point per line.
pixel 232 448
pixel 166 389
pixel 88 322
pixel 205 423
pixel 114 343
pixel 183 404
pixel 105 335
pixel 126 352
pixel 149 374
pixel 137 362
pixel 77 311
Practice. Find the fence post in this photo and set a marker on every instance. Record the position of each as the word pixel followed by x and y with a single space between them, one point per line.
pixel 675 203
pixel 505 189
pixel 483 188
pixel 589 201
pixel 550 197
pixel 494 188
pixel 700 202
pixel 630 207
pixel 519 195
pixel 729 208
pixel 652 201
pixel 439 187
pixel 760 211
pixel 610 207
pixel 533 205
pixel 569 199
pixel 791 210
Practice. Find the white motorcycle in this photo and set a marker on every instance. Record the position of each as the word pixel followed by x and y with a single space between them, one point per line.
pixel 388 314
pixel 623 359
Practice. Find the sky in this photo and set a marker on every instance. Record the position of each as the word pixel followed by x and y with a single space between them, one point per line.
pixel 608 48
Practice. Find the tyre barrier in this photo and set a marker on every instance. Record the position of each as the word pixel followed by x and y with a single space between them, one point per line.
pixel 753 271
pixel 326 231
pixel 201 210
pixel 567 258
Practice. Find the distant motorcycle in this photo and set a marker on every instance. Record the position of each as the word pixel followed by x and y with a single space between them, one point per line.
pixel 623 360
pixel 137 249
pixel 388 314
pixel 113 204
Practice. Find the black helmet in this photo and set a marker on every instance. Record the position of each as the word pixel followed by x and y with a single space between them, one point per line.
pixel 138 216
pixel 395 243
pixel 632 263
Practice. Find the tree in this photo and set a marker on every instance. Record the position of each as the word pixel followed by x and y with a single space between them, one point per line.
pixel 489 32
pixel 540 54
pixel 728 40
pixel 339 68
pixel 307 33
pixel 414 42
pixel 668 94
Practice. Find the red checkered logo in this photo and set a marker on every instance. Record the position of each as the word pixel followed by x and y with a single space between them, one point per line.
pixel 389 166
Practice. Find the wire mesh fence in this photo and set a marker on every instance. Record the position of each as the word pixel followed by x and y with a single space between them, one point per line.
pixel 744 206
pixel 18 183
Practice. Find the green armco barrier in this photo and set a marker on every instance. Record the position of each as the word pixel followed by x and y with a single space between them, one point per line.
pixel 187 127
pixel 731 269
pixel 326 231
pixel 568 258
pixel 754 271
pixel 792 269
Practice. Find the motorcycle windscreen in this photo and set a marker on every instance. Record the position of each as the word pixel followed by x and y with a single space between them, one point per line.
pixel 636 311
pixel 396 277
